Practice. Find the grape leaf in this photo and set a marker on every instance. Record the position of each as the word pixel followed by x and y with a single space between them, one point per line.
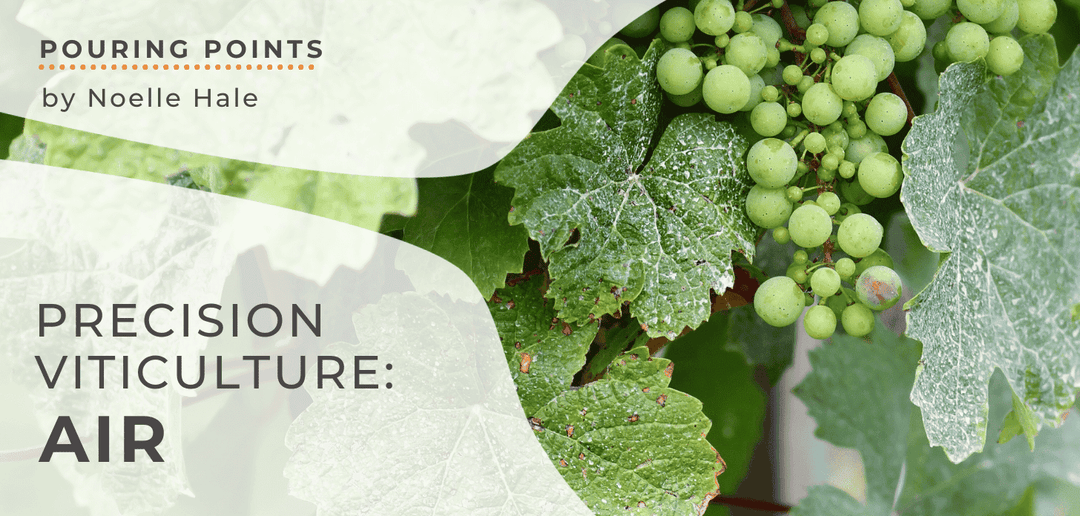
pixel 542 357
pixel 993 177
pixel 463 220
pixel 619 224
pixel 629 444
pixel 724 383
pixel 829 501
pixel 858 393
pixel 357 200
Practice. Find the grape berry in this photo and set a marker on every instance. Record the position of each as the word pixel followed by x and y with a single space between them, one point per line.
pixel 811 79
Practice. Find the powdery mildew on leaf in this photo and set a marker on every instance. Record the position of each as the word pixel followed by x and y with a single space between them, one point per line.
pixel 463 220
pixel 993 177
pixel 629 444
pixel 542 352
pixel 615 228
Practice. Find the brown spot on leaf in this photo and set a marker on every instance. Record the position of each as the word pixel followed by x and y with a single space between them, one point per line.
pixel 526 362
pixel 662 400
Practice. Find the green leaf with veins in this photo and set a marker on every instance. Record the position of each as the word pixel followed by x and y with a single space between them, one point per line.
pixel 542 358
pixel 629 444
pixel 619 224
pixel 463 219
pixel 358 200
pixel 993 177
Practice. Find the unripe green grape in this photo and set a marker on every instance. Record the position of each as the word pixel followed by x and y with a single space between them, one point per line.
pixel 814 143
pixel 771 74
pixel 878 287
pixel 677 24
pixel 685 45
pixel 777 4
pixel 781 235
pixel 710 63
pixel 643 25
pixel 859 235
pixel 799 275
pixel 859 148
pixel 771 162
pixel 880 17
pixel 931 9
pixel 821 105
pixel 907 3
pixel 842 21
pixel 886 114
pixel 687 100
pixel 817 34
pixel 909 40
pixel 805 84
pixel 770 93
pixel 1005 56
pixel 819 322
pixel 756 85
pixel 808 300
pixel 940 51
pixel 792 75
pixel 825 282
pixel 794 109
pixel 1036 16
pixel 837 304
pixel 880 175
pixel 794 193
pixel 787 133
pixel 768 119
pixel 850 109
pixel 725 88
pixel 1005 23
pixel 809 225
pixel 779 301
pixel 747 52
pixel 798 12
pixel 846 169
pixel 830 162
pixel 855 130
pixel 714 17
pixel 826 175
pixel 830 202
pixel 767 29
pixel 845 267
pixel 767 207
pixel 817 3
pixel 852 191
pixel 772 58
pixel 836 138
pixel 800 256
pixel 878 257
pixel 967 41
pixel 818 55
pixel 858 320
pixel 743 22
pixel 679 71
pixel 722 40
pixel 980 11
pixel 877 50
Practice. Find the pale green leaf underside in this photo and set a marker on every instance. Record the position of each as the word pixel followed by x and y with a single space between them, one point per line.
pixel 358 200
pixel 617 229
pixel 542 358
pixel 993 177
pixel 629 444
pixel 463 220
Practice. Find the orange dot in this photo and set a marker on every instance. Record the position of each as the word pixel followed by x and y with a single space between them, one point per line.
pixel 61 67
pixel 310 67
pixel 228 67
pixel 52 67
pixel 82 67
pixel 155 67
pixel 217 67
pixel 144 67
pixel 248 67
pixel 290 67
pixel 187 67
pixel 278 67
pixel 123 67
pixel 113 67
pixel 175 67
pixel 258 67
pixel 41 67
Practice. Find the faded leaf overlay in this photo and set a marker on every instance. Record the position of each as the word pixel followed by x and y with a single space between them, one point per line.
pixel 358 200
pixel 463 220
pixel 870 412
pixel 620 220
pixel 449 428
pixel 993 178
pixel 629 444
pixel 543 353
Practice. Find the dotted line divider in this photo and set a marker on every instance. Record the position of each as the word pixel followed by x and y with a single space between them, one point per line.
pixel 178 67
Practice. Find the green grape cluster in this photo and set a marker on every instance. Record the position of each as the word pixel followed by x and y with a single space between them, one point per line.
pixel 813 79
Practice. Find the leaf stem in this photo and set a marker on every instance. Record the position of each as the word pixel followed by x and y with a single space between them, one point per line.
pixel 894 85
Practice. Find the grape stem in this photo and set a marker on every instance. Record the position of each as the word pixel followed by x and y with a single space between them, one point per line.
pixel 898 90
